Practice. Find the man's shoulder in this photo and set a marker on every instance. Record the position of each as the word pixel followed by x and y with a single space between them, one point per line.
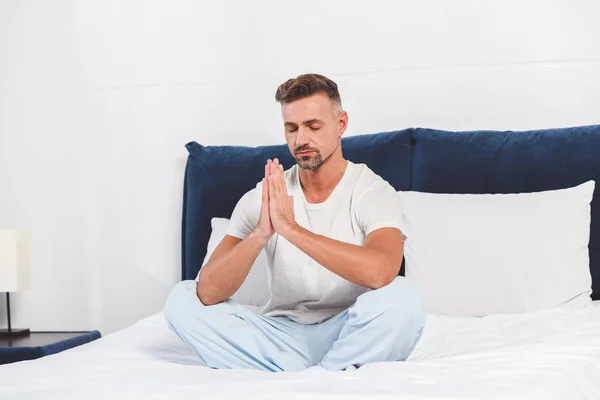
pixel 366 179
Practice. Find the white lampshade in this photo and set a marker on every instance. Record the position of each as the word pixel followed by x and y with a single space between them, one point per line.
pixel 14 260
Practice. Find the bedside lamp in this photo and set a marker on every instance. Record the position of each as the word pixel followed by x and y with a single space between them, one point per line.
pixel 14 271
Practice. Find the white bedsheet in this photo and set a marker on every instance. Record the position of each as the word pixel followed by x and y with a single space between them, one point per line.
pixel 554 354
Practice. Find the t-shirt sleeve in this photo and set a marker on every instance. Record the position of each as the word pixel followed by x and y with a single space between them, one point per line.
pixel 246 213
pixel 379 207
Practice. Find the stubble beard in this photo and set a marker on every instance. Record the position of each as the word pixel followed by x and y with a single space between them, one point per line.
pixel 312 163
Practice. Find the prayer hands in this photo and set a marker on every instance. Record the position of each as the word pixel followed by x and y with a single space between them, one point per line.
pixel 280 204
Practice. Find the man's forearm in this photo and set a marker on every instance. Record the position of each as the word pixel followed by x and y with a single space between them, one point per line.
pixel 358 264
pixel 220 278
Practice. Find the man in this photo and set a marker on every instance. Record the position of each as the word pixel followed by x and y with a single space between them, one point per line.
pixel 330 229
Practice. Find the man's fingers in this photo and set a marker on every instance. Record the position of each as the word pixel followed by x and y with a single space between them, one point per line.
pixel 268 176
pixel 276 180
pixel 275 192
pixel 265 191
pixel 272 192
pixel 267 173
pixel 272 175
pixel 281 181
pixel 272 166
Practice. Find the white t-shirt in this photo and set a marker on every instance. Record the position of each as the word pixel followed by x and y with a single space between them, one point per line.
pixel 300 288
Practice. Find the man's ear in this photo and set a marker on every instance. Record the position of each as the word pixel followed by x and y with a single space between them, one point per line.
pixel 342 123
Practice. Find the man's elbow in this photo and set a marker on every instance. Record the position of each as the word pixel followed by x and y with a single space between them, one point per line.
pixel 383 277
pixel 205 297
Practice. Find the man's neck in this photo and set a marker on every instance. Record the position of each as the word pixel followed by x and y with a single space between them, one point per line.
pixel 317 185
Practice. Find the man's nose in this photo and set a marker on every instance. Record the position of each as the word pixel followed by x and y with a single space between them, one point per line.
pixel 301 137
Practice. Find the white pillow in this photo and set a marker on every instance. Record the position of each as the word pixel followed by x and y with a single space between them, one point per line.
pixel 255 289
pixel 481 254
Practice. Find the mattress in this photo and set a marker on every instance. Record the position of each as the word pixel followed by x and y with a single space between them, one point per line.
pixel 553 354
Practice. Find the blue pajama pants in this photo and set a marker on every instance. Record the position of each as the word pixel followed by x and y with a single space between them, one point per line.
pixel 382 325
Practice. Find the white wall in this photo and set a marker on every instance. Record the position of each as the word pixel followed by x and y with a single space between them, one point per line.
pixel 98 98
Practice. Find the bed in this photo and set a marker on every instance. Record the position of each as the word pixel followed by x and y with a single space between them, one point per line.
pixel 552 354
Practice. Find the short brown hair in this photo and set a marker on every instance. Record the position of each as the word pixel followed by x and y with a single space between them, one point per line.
pixel 306 85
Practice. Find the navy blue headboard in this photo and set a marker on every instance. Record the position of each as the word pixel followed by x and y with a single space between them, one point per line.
pixel 421 160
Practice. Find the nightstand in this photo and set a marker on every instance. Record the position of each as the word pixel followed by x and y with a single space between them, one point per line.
pixel 40 344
